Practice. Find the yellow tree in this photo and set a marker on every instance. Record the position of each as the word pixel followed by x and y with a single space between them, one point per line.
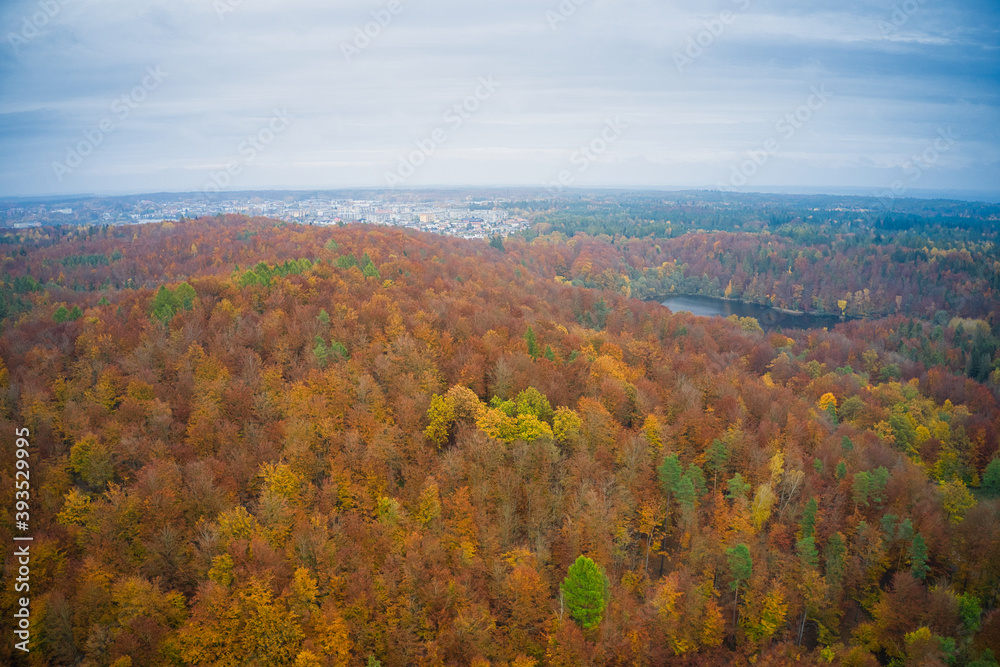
pixel 651 428
pixel 429 503
pixel 281 480
pixel 669 612
pixel 460 526
pixel 763 617
pixel 529 603
pixel 531 428
pixel 827 401
pixel 497 424
pixel 332 636
pixel 957 499
pixel 649 512
pixel 566 426
pixel 440 416
pixel 760 507
pixel 246 627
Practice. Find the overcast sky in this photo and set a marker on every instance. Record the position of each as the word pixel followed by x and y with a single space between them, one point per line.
pixel 127 96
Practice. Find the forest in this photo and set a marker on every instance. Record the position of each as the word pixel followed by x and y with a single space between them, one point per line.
pixel 821 255
pixel 257 443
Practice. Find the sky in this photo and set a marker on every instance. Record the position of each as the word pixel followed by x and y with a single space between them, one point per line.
pixel 131 96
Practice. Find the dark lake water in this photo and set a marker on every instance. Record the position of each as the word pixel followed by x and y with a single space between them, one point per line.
pixel 769 318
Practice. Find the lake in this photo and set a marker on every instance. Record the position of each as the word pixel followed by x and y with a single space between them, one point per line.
pixel 769 318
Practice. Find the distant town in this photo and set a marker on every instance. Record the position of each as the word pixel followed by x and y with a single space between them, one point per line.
pixel 466 217
pixel 484 213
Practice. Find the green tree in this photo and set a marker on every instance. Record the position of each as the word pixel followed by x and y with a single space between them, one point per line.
pixel 336 347
pixel 970 610
pixel 904 533
pixel 861 488
pixel 164 304
pixel 841 471
pixel 879 480
pixel 991 477
pixel 902 431
pixel 670 475
pixel 347 261
pixel 718 455
pixel 807 552
pixel 497 242
pixel 168 302
pixel 370 271
pixel 834 558
pixel 585 591
pixel 918 557
pixel 185 295
pixel 888 525
pixel 697 477
pixel 808 522
pixel 737 487
pixel 533 402
pixel 321 351
pixel 740 569
pixel 985 659
pixel 686 495
pixel 529 337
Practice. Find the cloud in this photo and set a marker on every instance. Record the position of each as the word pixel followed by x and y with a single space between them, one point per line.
pixel 895 78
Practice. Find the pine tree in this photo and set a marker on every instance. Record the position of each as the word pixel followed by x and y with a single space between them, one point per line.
pixel 737 487
pixel 686 495
pixel 918 557
pixel 991 477
pixel 807 552
pixel 740 568
pixel 321 351
pixel 834 558
pixel 861 488
pixel 585 592
pixel 529 337
pixel 808 523
pixel 718 454
pixel 370 271
pixel 697 477
pixel 670 476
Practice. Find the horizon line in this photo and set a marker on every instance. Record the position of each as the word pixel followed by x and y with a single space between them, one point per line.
pixel 966 196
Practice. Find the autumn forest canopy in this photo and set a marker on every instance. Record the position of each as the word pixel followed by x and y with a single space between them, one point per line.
pixel 256 443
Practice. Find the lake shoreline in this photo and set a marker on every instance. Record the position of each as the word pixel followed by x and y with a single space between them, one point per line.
pixel 786 311
pixel 769 317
